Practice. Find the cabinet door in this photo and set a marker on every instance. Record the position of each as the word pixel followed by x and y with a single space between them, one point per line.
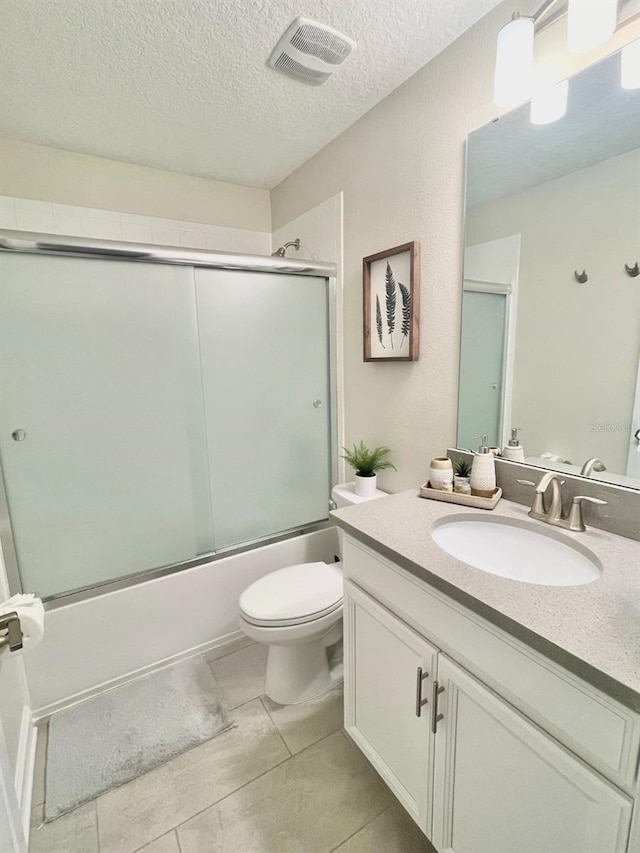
pixel 384 659
pixel 501 785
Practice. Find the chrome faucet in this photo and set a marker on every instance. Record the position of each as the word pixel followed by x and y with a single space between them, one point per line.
pixel 593 464
pixel 553 513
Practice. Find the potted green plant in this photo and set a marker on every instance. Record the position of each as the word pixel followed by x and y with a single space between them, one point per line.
pixel 462 473
pixel 366 463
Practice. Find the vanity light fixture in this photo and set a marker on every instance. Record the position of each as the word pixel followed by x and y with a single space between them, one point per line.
pixel 589 24
pixel 630 65
pixel 514 62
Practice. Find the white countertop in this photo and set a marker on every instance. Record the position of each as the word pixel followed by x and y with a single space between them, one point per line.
pixel 592 629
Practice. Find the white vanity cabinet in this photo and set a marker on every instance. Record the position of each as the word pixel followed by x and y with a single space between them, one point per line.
pixel 480 768
pixel 388 700
pixel 502 785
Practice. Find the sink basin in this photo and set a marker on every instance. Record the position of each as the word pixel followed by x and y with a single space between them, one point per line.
pixel 516 549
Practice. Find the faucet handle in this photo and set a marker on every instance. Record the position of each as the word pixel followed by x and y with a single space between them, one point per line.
pixel 526 482
pixel 575 513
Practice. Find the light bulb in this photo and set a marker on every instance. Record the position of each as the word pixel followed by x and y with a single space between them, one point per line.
pixel 590 23
pixel 551 104
pixel 630 66
pixel 514 63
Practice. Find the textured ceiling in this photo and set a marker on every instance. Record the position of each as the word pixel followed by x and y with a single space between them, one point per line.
pixel 511 155
pixel 183 84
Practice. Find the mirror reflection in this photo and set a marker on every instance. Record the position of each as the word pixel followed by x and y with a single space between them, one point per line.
pixel 550 340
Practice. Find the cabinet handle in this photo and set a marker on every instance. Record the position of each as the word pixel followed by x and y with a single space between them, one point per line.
pixel 436 717
pixel 420 702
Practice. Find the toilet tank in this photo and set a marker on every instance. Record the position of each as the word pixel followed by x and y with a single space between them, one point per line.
pixel 344 494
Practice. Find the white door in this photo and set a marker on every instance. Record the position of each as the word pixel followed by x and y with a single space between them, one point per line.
pixel 17 746
pixel 384 662
pixel 482 349
pixel 502 786
pixel 486 366
pixel 12 830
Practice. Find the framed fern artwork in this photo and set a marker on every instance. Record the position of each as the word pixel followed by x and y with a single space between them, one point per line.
pixel 391 283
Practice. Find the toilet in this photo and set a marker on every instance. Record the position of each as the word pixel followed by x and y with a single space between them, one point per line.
pixel 297 613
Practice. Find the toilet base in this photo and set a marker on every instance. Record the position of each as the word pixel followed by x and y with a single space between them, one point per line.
pixel 298 673
pixel 304 661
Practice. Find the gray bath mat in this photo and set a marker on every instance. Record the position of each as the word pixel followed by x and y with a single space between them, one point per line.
pixel 112 738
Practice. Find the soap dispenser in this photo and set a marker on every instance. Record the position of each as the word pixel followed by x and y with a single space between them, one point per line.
pixel 483 471
pixel 514 451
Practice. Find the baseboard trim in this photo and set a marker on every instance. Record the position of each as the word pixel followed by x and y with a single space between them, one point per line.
pixel 203 648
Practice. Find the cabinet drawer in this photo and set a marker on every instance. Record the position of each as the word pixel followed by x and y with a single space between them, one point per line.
pixel 590 723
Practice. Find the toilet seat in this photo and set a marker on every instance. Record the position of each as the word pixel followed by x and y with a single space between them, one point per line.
pixel 293 595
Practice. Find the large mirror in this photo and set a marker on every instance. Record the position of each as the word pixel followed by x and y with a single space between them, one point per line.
pixel 550 339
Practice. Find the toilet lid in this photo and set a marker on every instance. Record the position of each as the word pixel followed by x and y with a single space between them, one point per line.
pixel 293 593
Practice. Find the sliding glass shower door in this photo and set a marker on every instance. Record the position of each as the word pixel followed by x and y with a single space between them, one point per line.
pixel 102 433
pixel 264 341
pixel 152 413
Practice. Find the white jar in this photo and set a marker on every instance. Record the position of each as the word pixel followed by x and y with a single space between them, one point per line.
pixel 440 469
pixel 483 475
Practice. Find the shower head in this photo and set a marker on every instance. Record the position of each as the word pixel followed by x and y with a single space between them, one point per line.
pixel 280 253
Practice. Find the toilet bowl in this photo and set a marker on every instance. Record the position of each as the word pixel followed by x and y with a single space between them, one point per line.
pixel 297 612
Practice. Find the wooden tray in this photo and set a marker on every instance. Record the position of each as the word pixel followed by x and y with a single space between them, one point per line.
pixel 463 500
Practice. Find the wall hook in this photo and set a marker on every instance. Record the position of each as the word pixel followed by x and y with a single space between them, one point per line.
pixel 632 271
pixel 581 277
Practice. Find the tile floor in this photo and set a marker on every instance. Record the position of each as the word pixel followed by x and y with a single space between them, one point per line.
pixel 286 779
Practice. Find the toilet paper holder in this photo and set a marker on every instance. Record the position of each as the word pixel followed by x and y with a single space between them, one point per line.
pixel 10 622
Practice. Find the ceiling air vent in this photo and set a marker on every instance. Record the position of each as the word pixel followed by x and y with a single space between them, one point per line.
pixel 310 52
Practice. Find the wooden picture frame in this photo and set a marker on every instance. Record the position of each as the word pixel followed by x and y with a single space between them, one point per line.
pixel 391 304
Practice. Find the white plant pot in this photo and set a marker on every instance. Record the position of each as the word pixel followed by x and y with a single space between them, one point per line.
pixel 366 486
pixel 462 485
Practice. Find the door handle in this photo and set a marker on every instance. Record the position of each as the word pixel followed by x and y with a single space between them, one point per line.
pixel 420 702
pixel 435 716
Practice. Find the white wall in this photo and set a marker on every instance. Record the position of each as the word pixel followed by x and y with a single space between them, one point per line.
pixel 63 177
pixel 401 169
pixel 73 221
pixel 588 332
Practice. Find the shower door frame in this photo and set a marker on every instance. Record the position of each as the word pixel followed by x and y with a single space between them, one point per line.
pixel 27 242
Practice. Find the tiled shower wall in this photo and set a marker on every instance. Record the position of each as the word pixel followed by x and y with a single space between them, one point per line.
pixel 28 215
